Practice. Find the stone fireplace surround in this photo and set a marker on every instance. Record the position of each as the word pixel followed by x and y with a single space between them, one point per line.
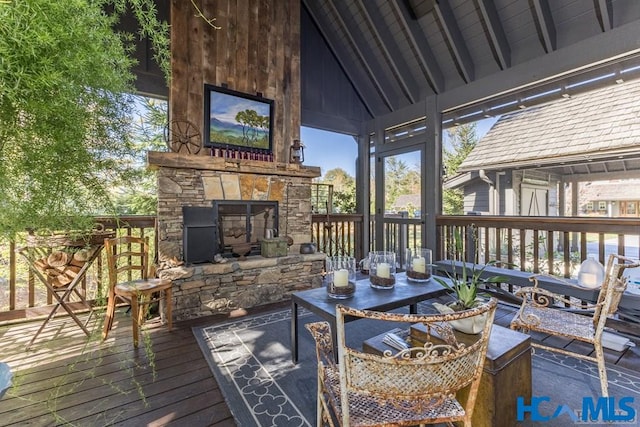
pixel 205 289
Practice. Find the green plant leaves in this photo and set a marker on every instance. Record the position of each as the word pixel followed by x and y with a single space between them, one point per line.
pixel 65 112
pixel 465 285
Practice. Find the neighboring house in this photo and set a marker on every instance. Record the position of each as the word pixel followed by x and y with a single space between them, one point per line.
pixel 407 203
pixel 611 198
pixel 533 160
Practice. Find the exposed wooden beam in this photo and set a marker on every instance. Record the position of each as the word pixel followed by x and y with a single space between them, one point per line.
pixel 545 25
pixel 619 42
pixel 419 43
pixel 604 11
pixel 368 62
pixel 495 31
pixel 390 50
pixel 601 176
pixel 455 40
pixel 421 7
pixel 344 59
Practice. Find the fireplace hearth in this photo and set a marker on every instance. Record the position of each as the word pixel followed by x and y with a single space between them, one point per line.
pixel 228 224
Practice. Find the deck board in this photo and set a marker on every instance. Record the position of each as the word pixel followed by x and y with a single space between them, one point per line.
pixel 86 382
pixel 67 378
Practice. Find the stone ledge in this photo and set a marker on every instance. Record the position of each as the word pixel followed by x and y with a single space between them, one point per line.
pixel 252 262
pixel 206 289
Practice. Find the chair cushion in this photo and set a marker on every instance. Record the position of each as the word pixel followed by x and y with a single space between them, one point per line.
pixel 555 321
pixel 149 285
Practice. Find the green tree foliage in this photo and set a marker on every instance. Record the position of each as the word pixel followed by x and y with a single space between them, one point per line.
pixel 254 127
pixel 344 190
pixel 399 179
pixel 139 196
pixel 65 129
pixel 462 139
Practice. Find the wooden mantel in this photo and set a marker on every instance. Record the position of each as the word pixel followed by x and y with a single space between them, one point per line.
pixel 157 159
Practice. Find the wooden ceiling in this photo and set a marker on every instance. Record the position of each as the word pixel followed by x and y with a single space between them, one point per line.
pixel 397 52
pixel 481 57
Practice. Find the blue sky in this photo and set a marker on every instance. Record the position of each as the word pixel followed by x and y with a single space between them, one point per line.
pixel 225 107
pixel 331 150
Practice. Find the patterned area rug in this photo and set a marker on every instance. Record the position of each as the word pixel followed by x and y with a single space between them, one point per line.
pixel 251 360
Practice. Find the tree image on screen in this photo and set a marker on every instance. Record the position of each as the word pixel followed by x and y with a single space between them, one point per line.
pixel 254 127
pixel 238 121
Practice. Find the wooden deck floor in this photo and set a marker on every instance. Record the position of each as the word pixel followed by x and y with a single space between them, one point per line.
pixel 68 380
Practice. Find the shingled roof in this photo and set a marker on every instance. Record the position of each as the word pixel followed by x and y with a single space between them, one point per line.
pixel 598 125
pixel 611 190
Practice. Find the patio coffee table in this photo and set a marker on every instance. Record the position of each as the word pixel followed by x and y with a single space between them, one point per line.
pixel 366 298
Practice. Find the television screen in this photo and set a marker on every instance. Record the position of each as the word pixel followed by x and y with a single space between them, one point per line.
pixel 237 120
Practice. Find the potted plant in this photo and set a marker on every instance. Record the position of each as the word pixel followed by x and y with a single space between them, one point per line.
pixel 465 288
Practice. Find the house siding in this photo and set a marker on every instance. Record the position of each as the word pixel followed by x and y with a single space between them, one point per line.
pixel 476 198
pixel 509 184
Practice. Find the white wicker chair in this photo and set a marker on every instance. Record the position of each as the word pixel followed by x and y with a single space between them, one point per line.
pixel 418 385
pixel 537 313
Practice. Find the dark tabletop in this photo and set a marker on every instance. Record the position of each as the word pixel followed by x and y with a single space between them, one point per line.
pixel 366 297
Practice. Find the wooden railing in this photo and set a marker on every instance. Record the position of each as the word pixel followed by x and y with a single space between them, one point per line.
pixel 338 234
pixel 553 245
pixel 400 232
pixel 533 244
pixel 21 295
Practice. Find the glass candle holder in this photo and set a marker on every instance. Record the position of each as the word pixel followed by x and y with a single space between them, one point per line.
pixel 382 269
pixel 418 264
pixel 341 277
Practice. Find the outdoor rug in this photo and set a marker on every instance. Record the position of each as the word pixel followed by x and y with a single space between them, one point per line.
pixel 251 360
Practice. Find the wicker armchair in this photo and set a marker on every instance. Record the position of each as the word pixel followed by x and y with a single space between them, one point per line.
pixel 417 385
pixel 537 313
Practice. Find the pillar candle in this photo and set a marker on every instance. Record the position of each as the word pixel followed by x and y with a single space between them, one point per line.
pixel 341 278
pixel 419 265
pixel 384 270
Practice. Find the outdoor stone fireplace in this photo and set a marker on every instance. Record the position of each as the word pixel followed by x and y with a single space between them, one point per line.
pixel 197 181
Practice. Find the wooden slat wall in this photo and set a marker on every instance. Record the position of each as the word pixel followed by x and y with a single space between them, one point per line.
pixel 257 50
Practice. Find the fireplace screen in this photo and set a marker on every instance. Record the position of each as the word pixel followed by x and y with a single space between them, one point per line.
pixel 227 226
pixel 240 222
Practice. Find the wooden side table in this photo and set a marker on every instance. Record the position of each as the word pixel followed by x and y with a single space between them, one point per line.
pixel 507 372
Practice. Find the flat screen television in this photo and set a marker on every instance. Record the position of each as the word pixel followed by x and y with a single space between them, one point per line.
pixel 236 120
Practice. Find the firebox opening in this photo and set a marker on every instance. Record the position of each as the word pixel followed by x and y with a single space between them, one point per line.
pixel 241 222
pixel 227 228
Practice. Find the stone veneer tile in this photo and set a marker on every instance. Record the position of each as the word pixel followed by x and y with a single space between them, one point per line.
pixel 276 192
pixel 230 186
pixel 260 188
pixel 247 185
pixel 168 185
pixel 212 188
pixel 227 267
pixel 304 206
pixel 197 284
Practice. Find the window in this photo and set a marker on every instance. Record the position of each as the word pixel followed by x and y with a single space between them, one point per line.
pixel 590 206
pixel 602 206
pixel 631 208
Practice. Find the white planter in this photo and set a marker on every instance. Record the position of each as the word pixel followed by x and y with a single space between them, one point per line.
pixel 470 325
